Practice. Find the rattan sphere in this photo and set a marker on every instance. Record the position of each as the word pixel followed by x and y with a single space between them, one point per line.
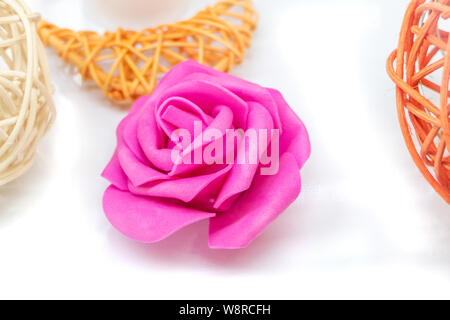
pixel 420 68
pixel 26 107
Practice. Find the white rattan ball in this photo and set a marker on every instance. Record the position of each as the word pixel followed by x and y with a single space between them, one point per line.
pixel 26 106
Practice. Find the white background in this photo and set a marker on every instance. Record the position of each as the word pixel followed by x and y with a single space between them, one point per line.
pixel 367 224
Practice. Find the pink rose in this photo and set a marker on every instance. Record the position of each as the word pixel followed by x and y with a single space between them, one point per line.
pixel 162 181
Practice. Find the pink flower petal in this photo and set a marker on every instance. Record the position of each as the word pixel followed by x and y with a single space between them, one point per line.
pixel 223 120
pixel 295 138
pixel 268 197
pixel 114 173
pixel 137 172
pixel 183 189
pixel 245 90
pixel 142 103
pixel 177 113
pixel 241 176
pixel 132 159
pixel 127 136
pixel 150 138
pixel 146 219
pixel 208 96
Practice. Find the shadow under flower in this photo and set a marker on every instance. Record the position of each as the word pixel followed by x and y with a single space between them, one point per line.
pixel 188 248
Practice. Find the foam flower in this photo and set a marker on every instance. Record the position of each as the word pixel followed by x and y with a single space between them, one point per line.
pixel 205 145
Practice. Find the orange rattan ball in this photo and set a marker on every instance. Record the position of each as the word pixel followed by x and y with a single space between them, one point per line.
pixel 420 68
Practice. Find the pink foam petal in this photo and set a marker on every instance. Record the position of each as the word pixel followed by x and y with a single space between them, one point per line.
pixel 179 118
pixel 142 103
pixel 295 138
pixel 241 176
pixel 137 172
pixel 115 174
pixel 146 219
pixel 183 189
pixel 150 138
pixel 191 70
pixel 245 90
pixel 223 120
pixel 268 197
pixel 128 136
pixel 254 93
pixel 177 112
pixel 129 152
pixel 209 95
pixel 183 71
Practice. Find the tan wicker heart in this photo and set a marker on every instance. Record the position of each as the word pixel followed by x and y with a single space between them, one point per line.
pixel 127 64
